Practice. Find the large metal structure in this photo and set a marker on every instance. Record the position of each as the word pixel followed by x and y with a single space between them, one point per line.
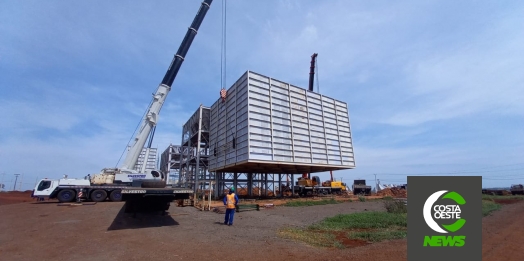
pixel 269 126
pixel 260 137
pixel 170 163
pixel 189 168
pixel 195 150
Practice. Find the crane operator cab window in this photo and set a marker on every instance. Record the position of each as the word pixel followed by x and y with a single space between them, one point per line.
pixel 44 184
pixel 155 174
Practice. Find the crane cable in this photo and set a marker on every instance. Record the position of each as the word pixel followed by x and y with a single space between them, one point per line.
pixel 223 91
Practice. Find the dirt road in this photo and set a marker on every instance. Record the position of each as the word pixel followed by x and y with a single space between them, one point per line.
pixel 45 231
pixel 503 232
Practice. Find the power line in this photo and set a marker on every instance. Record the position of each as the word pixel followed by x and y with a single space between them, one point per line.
pixel 452 172
pixel 489 178
pixel 503 166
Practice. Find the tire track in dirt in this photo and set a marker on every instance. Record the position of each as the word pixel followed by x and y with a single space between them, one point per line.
pixel 502 233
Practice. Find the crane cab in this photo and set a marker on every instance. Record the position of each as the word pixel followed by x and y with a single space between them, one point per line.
pixel 44 188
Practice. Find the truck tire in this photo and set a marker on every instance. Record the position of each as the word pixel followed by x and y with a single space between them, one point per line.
pixel 98 195
pixel 153 184
pixel 66 195
pixel 115 195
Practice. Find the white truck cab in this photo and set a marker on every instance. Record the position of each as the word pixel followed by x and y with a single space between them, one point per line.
pixel 47 186
pixel 44 188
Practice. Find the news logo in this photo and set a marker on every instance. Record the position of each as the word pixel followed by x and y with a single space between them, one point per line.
pixel 444 212
pixel 445 218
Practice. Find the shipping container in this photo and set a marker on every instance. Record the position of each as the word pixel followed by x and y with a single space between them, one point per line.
pixel 269 126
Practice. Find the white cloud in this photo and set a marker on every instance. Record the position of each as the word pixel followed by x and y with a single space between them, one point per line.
pixel 483 76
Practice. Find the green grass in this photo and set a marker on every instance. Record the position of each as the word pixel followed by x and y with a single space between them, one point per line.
pixel 311 203
pixel 367 226
pixel 377 236
pixel 395 206
pixel 310 237
pixel 362 220
pixel 492 197
pixel 488 207
pixel 489 202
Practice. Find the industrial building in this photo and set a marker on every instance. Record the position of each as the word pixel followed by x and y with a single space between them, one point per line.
pixel 259 136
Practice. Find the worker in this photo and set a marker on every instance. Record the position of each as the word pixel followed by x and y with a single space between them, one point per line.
pixel 230 201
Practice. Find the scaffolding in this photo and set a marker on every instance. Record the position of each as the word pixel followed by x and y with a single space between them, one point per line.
pixel 255 185
pixel 170 163
pixel 194 151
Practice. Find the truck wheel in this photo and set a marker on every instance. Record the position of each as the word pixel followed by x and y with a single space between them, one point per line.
pixel 153 184
pixel 66 195
pixel 98 195
pixel 116 195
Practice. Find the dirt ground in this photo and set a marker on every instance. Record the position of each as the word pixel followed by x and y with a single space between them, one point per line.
pixel 13 197
pixel 45 231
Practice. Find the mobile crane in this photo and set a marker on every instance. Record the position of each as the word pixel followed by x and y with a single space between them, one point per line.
pixel 140 189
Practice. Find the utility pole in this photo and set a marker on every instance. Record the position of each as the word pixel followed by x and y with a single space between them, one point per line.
pixel 376 185
pixel 21 182
pixel 16 178
pixel 2 181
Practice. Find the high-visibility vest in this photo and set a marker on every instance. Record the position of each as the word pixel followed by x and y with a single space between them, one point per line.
pixel 230 203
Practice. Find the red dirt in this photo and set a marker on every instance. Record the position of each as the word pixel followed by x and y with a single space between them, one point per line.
pixel 349 243
pixel 393 192
pixel 103 232
pixel 502 233
pixel 13 197
pixel 507 201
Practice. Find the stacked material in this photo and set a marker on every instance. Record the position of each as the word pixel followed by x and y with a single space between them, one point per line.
pixel 256 192
pixel 393 192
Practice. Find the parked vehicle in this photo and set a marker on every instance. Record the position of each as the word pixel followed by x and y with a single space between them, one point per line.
pixel 517 189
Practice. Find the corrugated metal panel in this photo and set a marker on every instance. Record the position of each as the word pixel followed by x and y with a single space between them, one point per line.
pixel 275 122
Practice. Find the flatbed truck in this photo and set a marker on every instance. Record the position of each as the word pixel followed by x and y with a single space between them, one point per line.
pixel 139 198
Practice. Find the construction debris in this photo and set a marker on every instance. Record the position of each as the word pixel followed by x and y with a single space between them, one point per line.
pixel 393 192
pixel 269 205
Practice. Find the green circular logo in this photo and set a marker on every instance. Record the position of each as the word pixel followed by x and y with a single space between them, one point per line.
pixel 444 212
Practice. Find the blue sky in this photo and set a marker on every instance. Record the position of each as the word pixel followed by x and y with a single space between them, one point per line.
pixel 432 86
